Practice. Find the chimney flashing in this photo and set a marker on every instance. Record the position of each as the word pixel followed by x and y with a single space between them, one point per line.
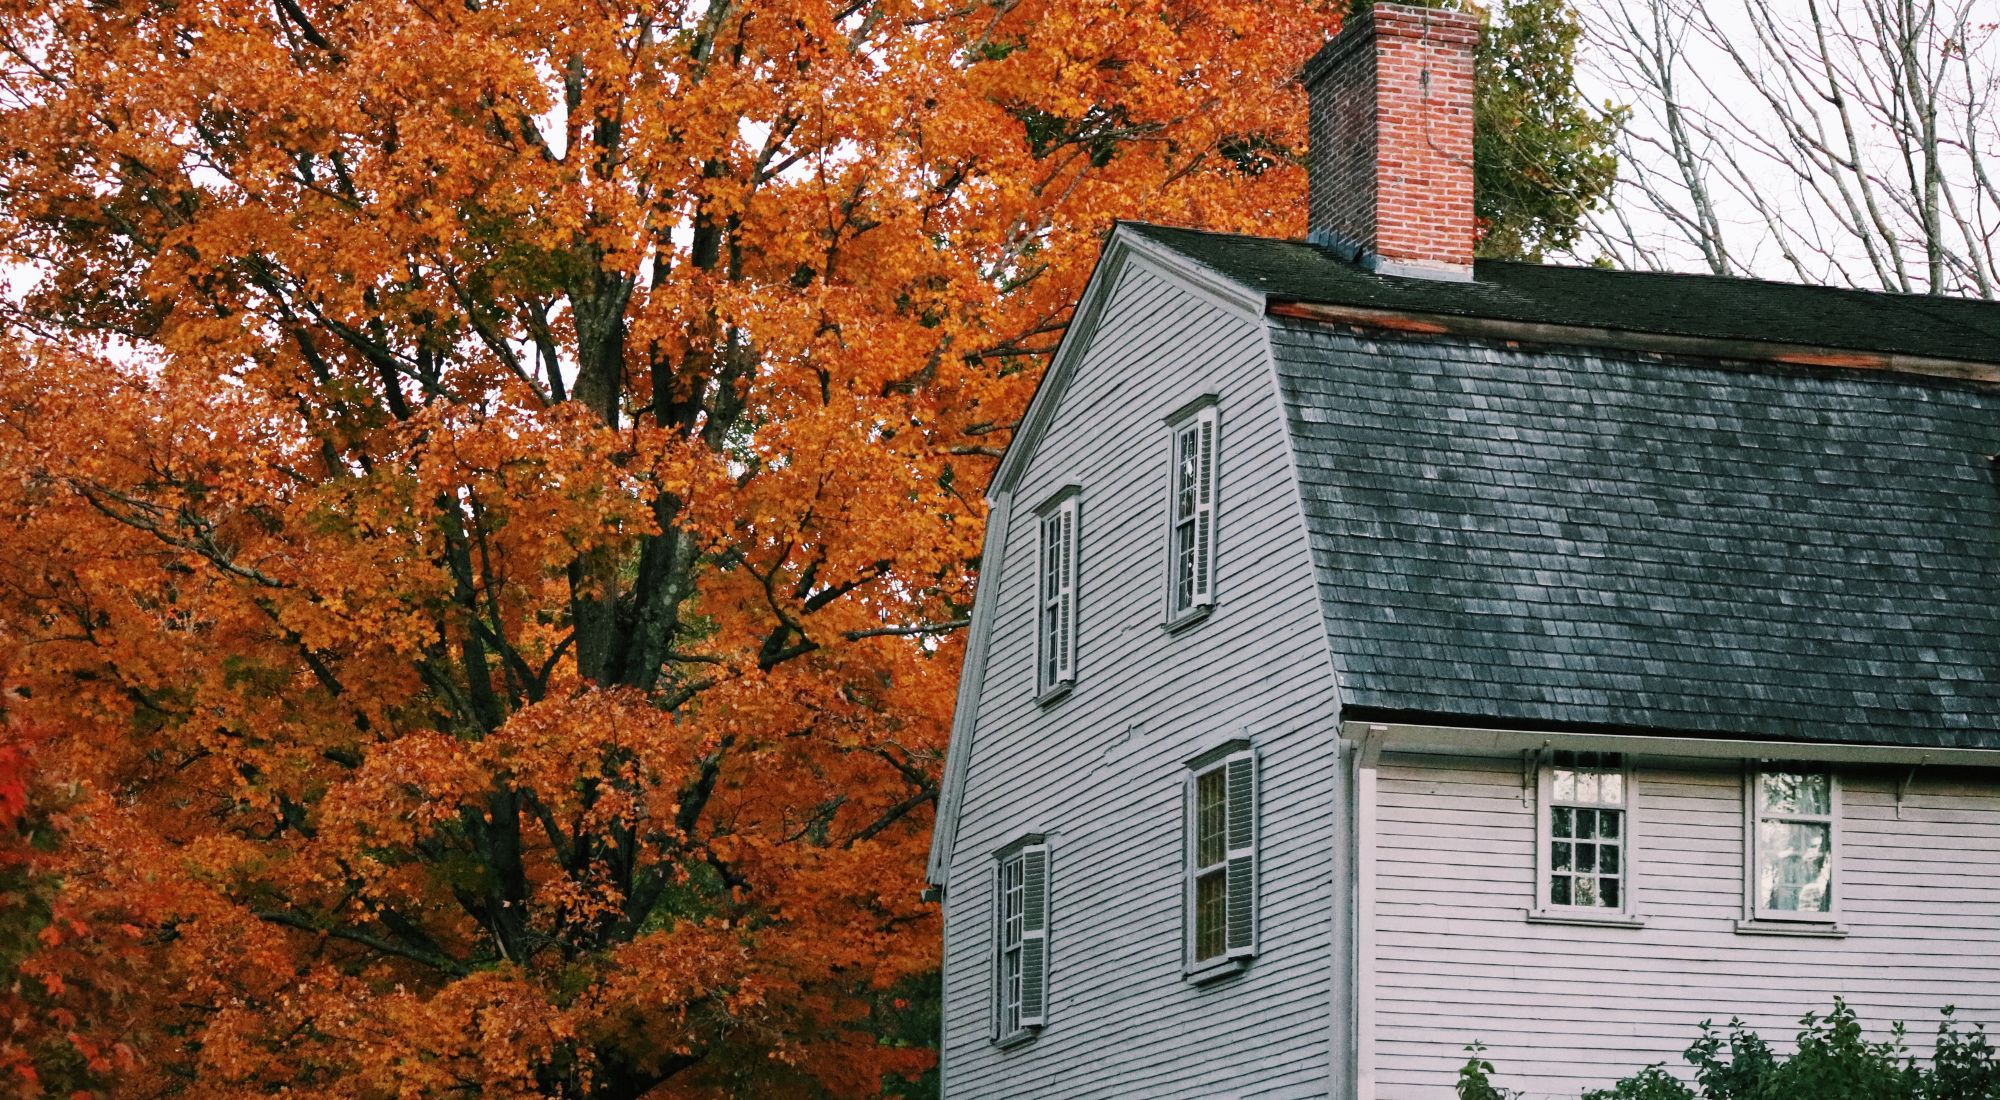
pixel 1418 269
pixel 1376 264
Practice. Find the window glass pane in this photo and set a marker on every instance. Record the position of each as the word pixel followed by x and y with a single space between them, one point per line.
pixel 1010 1014
pixel 1011 901
pixel 1596 778
pixel 1051 557
pixel 1013 894
pixel 1586 858
pixel 1184 565
pixel 1049 645
pixel 1184 477
pixel 1611 787
pixel 1796 792
pixel 1211 799
pixel 1795 866
pixel 1564 784
pixel 1211 914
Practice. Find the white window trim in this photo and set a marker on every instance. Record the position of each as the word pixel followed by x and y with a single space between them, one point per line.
pixel 1065 504
pixel 1758 920
pixel 1016 854
pixel 1191 417
pixel 1626 915
pixel 1232 960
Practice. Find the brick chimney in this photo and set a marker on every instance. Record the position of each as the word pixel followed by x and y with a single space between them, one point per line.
pixel 1390 162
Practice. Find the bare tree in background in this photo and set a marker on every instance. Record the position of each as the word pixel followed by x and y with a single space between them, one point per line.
pixel 1832 141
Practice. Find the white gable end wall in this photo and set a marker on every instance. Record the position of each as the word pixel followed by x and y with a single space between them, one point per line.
pixel 1563 1008
pixel 1100 771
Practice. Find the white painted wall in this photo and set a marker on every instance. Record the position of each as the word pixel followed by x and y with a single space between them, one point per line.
pixel 1101 771
pixel 1566 1008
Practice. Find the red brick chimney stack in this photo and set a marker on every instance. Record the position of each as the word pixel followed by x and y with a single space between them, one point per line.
pixel 1390 162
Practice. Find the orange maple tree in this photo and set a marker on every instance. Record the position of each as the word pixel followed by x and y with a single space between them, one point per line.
pixel 488 491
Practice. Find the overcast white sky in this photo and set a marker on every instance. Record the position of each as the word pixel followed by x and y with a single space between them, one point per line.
pixel 1713 81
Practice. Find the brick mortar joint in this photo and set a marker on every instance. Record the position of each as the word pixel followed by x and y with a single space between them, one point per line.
pixel 1440 26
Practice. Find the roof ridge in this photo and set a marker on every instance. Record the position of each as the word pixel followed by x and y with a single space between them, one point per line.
pixel 1914 298
pixel 1910 296
pixel 1915 334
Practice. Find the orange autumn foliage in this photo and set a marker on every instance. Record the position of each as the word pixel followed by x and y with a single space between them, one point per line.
pixel 489 493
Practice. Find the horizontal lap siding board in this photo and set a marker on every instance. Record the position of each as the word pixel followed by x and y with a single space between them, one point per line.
pixel 1565 1008
pixel 1100 772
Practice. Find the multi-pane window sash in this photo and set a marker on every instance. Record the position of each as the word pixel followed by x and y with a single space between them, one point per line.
pixel 1587 835
pixel 1057 600
pixel 1222 868
pixel 1192 549
pixel 1021 957
pixel 1793 835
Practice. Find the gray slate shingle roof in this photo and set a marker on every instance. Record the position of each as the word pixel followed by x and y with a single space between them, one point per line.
pixel 1606 538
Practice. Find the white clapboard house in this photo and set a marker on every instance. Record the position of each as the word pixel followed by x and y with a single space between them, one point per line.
pixel 1379 651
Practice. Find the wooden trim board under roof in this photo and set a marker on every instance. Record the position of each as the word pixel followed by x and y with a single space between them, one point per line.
pixel 1451 740
pixel 1664 343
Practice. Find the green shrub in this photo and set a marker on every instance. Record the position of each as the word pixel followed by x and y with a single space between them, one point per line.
pixel 1833 1062
pixel 1475 1078
pixel 1963 1066
pixel 1651 1083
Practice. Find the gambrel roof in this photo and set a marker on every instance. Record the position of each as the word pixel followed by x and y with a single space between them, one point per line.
pixel 1695 306
pixel 1594 535
pixel 1569 536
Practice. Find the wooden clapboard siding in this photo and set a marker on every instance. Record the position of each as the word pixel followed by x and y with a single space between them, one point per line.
pixel 1562 1008
pixel 1100 772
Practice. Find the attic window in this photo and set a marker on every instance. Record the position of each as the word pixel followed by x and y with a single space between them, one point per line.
pixel 1055 600
pixel 1194 463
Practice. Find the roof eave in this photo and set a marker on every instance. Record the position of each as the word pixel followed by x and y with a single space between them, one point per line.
pixel 1418 734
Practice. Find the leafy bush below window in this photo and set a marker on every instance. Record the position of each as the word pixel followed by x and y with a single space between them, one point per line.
pixel 1833 1062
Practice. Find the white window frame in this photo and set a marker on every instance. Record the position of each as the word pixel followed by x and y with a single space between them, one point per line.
pixel 1015 937
pixel 1757 917
pixel 1626 912
pixel 1057 565
pixel 1240 866
pixel 1193 422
